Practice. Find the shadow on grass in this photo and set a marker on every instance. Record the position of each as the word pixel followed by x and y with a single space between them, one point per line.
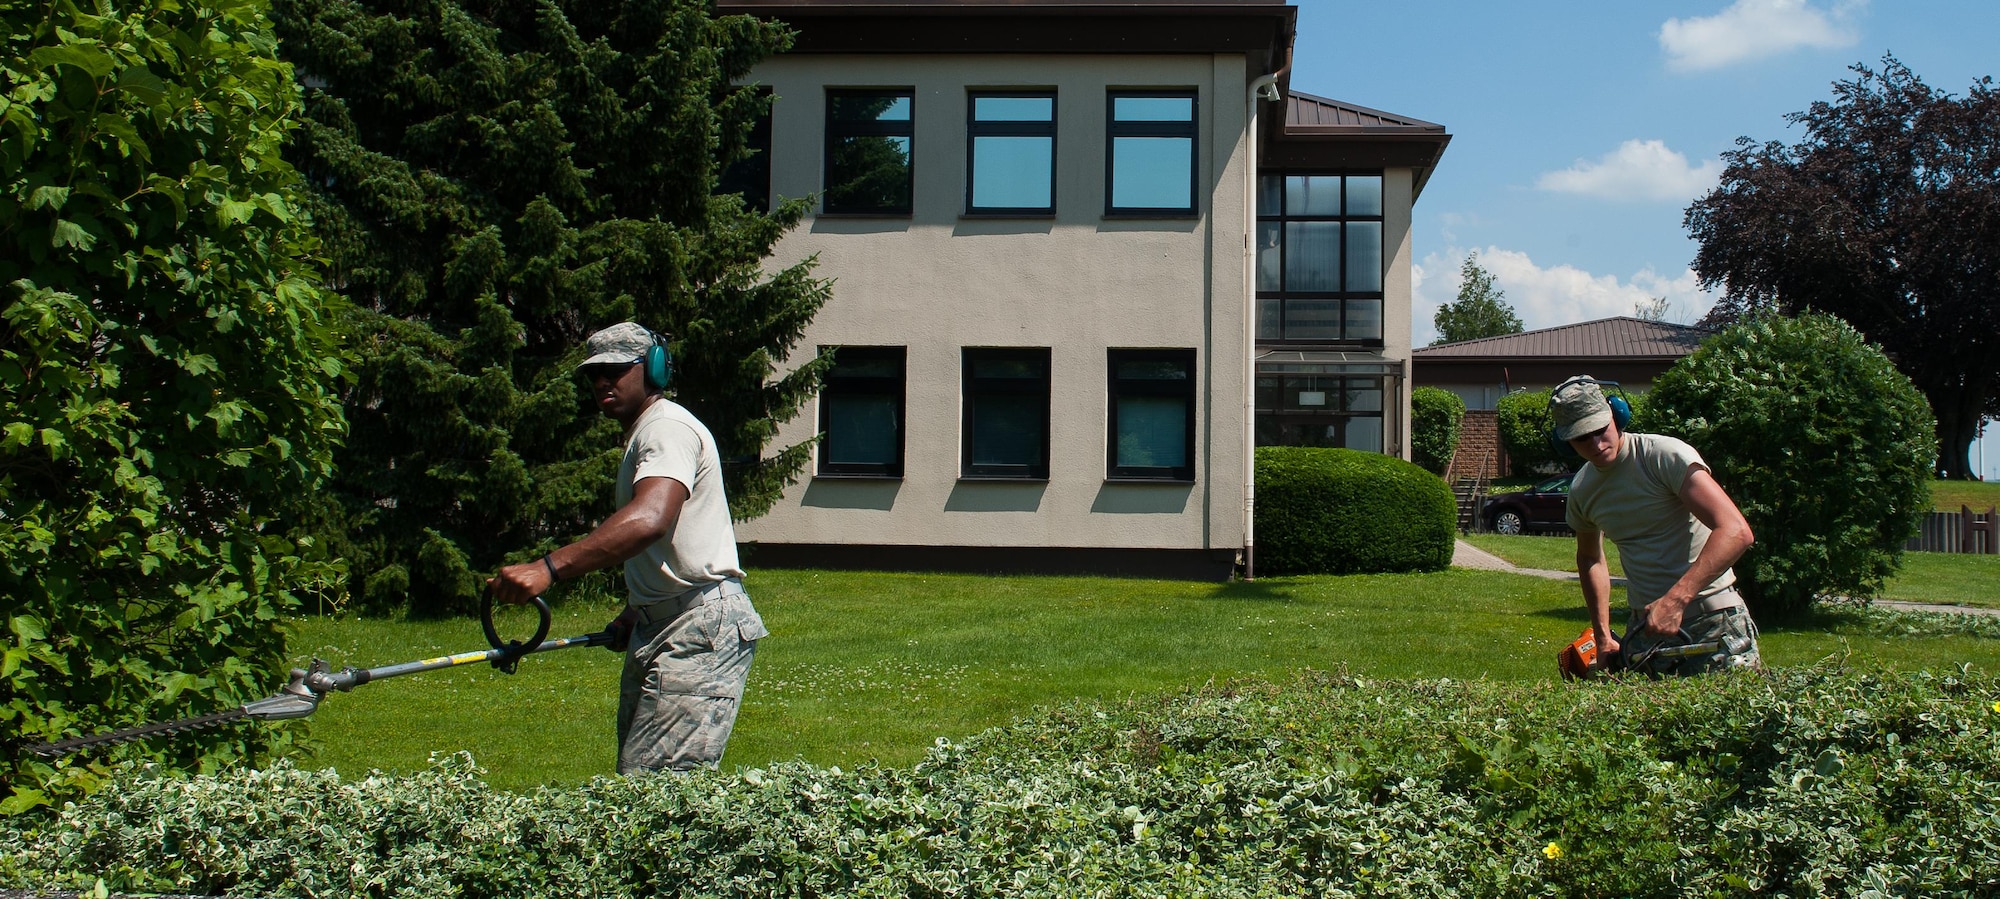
pixel 1256 591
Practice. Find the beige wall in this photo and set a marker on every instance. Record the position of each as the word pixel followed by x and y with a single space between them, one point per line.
pixel 936 282
pixel 1077 283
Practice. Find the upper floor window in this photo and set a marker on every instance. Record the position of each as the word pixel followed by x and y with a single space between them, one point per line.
pixel 1006 431
pixel 1319 258
pixel 1150 153
pixel 861 412
pixel 869 137
pixel 1010 157
pixel 1152 414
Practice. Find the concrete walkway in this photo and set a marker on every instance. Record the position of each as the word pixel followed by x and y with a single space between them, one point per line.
pixel 1465 555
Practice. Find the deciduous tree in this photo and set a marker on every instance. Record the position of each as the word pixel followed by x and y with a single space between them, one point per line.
pixel 1481 309
pixel 495 180
pixel 1887 214
pixel 167 378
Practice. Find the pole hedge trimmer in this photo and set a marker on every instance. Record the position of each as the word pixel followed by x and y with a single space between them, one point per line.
pixel 301 695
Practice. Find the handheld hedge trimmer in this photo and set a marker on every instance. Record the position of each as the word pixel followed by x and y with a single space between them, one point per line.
pixel 301 695
pixel 1581 659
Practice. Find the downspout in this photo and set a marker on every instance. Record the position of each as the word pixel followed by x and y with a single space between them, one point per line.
pixel 1258 88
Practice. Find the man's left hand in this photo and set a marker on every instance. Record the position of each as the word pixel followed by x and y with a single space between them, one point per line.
pixel 1663 617
pixel 518 584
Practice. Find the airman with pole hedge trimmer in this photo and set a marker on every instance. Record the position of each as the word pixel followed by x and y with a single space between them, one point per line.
pixel 688 628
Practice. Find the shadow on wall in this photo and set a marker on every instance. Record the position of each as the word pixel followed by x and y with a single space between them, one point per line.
pixel 833 493
pixel 995 496
pixel 1142 499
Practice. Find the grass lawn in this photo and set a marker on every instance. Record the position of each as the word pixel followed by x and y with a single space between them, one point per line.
pixel 1948 496
pixel 877 666
pixel 1946 578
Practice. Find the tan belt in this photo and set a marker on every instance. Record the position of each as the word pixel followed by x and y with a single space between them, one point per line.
pixel 673 607
pixel 1720 600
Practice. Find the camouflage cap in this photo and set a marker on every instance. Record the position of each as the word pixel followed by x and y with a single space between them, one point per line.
pixel 621 344
pixel 1578 407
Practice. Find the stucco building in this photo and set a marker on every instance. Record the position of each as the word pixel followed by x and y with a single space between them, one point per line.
pixel 1085 256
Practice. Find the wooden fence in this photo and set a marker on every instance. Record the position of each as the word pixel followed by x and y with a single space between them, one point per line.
pixel 1963 531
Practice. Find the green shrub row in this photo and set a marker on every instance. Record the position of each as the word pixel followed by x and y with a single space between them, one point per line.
pixel 1339 511
pixel 1809 781
pixel 1435 417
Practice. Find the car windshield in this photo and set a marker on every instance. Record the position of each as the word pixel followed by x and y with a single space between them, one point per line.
pixel 1557 484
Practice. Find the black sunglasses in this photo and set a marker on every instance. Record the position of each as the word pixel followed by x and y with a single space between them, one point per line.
pixel 606 370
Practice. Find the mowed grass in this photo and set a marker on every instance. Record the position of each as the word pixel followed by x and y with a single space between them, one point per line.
pixel 1949 496
pixel 877 666
pixel 1943 578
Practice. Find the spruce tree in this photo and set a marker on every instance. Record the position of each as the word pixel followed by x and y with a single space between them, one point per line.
pixel 494 181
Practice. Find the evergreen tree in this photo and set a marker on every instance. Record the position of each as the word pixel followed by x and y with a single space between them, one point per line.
pixel 1480 310
pixel 495 180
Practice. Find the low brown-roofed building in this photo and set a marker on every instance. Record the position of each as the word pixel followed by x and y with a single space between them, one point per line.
pixel 1631 351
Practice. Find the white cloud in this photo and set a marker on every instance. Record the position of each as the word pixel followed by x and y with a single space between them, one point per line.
pixel 1547 297
pixel 1755 29
pixel 1637 170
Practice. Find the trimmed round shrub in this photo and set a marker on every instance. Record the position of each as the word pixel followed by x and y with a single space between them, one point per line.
pixel 1435 414
pixel 1339 511
pixel 1822 443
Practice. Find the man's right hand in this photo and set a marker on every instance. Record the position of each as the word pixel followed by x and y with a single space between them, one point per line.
pixel 518 584
pixel 621 630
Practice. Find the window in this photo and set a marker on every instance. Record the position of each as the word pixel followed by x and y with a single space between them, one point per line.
pixel 1010 156
pixel 1152 415
pixel 868 146
pixel 1006 413
pixel 1149 162
pixel 1319 258
pixel 1320 410
pixel 751 175
pixel 861 413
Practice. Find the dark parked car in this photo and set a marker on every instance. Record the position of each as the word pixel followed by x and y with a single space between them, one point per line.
pixel 1538 508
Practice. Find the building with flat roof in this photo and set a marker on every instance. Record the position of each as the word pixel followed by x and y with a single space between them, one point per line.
pixel 1085 256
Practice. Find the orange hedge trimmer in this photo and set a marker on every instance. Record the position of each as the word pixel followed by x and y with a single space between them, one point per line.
pixel 301 695
pixel 1581 659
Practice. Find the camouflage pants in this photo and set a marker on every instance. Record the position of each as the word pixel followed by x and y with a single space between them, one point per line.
pixel 683 681
pixel 1731 627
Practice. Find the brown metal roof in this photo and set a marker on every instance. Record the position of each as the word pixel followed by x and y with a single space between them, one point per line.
pixel 1319 133
pixel 1623 337
pixel 1307 114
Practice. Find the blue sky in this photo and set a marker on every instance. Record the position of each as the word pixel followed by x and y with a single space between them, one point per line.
pixel 1582 130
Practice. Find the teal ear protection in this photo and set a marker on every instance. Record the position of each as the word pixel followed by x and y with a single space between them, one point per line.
pixel 659 364
pixel 1621 412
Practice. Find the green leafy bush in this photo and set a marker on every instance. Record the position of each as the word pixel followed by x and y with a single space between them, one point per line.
pixel 1435 414
pixel 166 378
pixel 1339 511
pixel 1799 782
pixel 1822 443
pixel 1523 419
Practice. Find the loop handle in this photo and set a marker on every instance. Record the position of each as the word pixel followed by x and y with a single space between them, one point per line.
pixel 511 651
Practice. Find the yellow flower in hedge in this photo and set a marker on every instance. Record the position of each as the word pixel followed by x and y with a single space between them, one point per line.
pixel 1996 708
pixel 1552 851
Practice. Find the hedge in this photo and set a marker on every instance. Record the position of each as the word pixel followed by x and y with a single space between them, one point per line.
pixel 1338 511
pixel 1435 416
pixel 1807 781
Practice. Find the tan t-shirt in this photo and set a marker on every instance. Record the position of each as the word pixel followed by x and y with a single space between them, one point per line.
pixel 669 442
pixel 1637 504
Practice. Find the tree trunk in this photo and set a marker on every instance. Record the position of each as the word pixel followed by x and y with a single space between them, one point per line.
pixel 1959 410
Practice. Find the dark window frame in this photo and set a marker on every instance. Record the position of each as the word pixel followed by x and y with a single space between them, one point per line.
pixel 975 388
pixel 838 129
pixel 1283 217
pixel 837 383
pixel 1114 129
pixel 1118 388
pixel 976 128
